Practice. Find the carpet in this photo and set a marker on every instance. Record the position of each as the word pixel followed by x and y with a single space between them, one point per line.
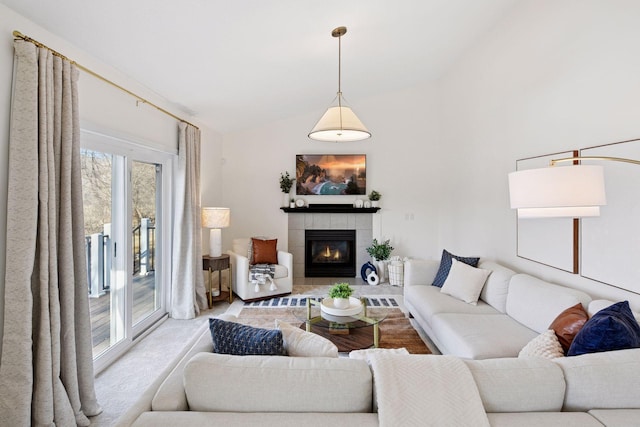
pixel 395 331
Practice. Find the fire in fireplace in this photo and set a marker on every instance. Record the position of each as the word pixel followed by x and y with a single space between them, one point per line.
pixel 330 253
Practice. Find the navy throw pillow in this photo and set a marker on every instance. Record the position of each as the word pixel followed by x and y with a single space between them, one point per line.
pixel 445 266
pixel 241 340
pixel 612 328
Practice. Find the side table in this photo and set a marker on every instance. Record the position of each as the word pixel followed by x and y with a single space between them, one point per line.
pixel 218 263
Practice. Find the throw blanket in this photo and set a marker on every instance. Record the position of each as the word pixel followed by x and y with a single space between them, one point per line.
pixel 426 390
pixel 258 273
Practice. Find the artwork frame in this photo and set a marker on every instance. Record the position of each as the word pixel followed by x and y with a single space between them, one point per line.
pixel 331 174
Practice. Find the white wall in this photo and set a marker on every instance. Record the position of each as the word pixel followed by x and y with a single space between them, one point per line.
pixel 102 108
pixel 402 164
pixel 553 76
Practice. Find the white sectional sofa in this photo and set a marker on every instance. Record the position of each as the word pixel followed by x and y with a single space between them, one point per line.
pixel 513 309
pixel 212 389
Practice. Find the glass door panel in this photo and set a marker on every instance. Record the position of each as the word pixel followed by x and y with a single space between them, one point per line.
pixel 145 179
pixel 97 184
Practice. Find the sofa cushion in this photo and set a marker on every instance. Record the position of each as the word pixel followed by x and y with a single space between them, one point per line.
pixel 238 339
pixel 428 300
pixel 305 344
pixel 264 251
pixel 262 419
pixel 617 417
pixel 445 266
pixel 464 282
pixel 545 345
pixel 496 287
pixel 518 385
pixel 598 304
pixel 568 324
pixel 277 384
pixel 537 419
pixel 605 380
pixel 536 303
pixel 613 328
pixel 480 336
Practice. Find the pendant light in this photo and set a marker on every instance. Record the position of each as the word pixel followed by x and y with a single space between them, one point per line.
pixel 339 123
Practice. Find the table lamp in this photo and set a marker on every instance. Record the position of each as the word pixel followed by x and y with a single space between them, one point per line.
pixel 216 219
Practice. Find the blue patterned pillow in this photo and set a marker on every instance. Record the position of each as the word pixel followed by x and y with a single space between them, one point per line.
pixel 612 328
pixel 445 266
pixel 241 340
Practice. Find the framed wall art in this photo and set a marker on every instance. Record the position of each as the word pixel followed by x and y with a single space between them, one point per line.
pixel 331 174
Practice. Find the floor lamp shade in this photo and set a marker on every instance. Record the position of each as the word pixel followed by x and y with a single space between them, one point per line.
pixel 215 219
pixel 339 124
pixel 559 191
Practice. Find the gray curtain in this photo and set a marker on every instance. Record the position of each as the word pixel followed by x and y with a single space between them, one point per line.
pixel 46 370
pixel 188 294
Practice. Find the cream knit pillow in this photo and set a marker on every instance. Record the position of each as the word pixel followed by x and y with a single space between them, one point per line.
pixel 544 345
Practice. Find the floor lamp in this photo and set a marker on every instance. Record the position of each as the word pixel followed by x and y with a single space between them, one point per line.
pixel 215 219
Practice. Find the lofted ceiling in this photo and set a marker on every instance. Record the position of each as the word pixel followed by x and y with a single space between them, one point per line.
pixel 237 64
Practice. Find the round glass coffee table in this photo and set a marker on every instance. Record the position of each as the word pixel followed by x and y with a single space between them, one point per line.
pixel 354 332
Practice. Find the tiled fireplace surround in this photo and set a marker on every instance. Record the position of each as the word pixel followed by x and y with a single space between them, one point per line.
pixel 299 222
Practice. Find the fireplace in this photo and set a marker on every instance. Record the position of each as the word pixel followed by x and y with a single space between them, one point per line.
pixel 330 253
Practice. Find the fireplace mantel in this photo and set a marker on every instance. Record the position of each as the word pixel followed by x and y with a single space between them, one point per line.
pixel 330 208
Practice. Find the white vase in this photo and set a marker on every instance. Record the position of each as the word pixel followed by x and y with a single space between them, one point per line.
pixel 381 266
pixel 375 203
pixel 341 303
pixel 285 200
pixel 292 205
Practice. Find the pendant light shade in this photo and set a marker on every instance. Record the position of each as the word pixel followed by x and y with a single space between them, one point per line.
pixel 339 123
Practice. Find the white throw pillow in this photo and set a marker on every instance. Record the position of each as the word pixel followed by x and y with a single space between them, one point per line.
pixel 465 282
pixel 544 345
pixel 305 344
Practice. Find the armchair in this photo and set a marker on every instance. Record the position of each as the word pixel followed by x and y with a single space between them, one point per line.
pixel 241 284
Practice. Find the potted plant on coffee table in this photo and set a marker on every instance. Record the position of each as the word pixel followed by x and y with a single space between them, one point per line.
pixel 340 293
pixel 380 253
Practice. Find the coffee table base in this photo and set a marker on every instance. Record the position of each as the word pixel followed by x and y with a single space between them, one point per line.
pixel 355 339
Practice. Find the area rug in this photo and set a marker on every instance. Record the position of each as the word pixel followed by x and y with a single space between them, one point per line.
pixel 395 331
pixel 301 301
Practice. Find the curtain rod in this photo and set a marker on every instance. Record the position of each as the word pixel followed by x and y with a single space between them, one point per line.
pixel 19 35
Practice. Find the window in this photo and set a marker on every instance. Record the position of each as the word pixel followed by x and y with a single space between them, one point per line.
pixel 126 190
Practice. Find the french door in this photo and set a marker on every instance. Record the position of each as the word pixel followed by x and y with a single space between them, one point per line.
pixel 126 190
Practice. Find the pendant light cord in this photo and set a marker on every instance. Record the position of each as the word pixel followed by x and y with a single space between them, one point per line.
pixel 340 79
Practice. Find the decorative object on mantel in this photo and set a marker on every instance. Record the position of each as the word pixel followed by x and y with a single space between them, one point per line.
pixel 359 203
pixel 299 203
pixel 374 196
pixel 292 203
pixel 286 182
pixel 380 253
pixel 331 208
pixel 339 123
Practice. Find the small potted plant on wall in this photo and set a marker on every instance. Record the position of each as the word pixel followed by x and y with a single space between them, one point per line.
pixel 340 293
pixel 380 253
pixel 286 182
pixel 374 196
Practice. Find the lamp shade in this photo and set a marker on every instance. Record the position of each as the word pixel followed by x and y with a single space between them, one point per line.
pixel 570 191
pixel 216 217
pixel 338 124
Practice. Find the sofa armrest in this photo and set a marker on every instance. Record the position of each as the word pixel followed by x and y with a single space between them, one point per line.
pixel 420 271
pixel 286 259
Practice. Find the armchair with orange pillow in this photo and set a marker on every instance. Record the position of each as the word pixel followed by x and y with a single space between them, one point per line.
pixel 248 252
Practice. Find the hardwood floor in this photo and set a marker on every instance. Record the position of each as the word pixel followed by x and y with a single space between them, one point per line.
pixel 144 302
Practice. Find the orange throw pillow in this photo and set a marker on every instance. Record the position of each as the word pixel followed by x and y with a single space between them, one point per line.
pixel 264 251
pixel 568 324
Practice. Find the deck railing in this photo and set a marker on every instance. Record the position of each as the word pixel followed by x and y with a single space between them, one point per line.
pixel 98 252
